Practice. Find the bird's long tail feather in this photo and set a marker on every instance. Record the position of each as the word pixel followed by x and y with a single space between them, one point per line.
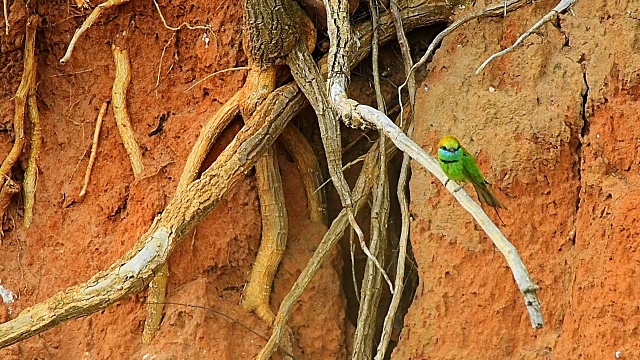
pixel 486 196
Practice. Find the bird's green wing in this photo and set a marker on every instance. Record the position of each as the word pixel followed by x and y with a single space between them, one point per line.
pixel 471 169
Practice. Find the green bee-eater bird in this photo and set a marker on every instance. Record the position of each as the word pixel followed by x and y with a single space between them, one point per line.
pixel 459 165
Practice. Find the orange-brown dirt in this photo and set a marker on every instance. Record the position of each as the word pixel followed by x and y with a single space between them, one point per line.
pixel 555 128
pixel 554 125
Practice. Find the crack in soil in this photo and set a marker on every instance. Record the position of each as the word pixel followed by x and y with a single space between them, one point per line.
pixel 583 132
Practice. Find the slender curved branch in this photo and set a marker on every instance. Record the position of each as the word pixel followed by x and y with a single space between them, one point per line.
pixel 562 6
pixel 87 24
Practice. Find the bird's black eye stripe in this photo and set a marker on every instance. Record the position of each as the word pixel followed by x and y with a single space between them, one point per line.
pixel 443 147
pixel 458 148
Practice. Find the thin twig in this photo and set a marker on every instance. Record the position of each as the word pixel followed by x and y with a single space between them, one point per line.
pixel 187 25
pixel 492 10
pixel 120 112
pixel 72 73
pixel 207 27
pixel 373 7
pixel 345 167
pixel 356 288
pixel 406 60
pixel 562 6
pixel 94 148
pixel 87 24
pixel 216 73
pixel 220 313
pixel 164 49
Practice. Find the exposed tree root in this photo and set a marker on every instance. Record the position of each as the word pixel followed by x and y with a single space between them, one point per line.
pixel 30 180
pixel 306 73
pixel 134 270
pixel 8 190
pixel 309 169
pixel 197 198
pixel 94 148
pixel 275 230
pixel 372 281
pixel 361 190
pixel 120 112
pixel 24 89
pixel 274 237
pixel 403 183
pixel 87 24
pixel 155 303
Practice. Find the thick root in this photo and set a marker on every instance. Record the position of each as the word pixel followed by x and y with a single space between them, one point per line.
pixel 274 237
pixel 119 98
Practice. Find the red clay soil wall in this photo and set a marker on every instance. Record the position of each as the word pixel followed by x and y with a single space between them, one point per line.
pixel 555 127
pixel 71 238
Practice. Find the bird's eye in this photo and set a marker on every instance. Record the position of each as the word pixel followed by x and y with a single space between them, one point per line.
pixel 443 147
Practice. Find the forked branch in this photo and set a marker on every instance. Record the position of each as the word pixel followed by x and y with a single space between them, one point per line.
pixel 562 6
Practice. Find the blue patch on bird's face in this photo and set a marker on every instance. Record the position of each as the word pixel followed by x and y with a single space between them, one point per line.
pixel 449 154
